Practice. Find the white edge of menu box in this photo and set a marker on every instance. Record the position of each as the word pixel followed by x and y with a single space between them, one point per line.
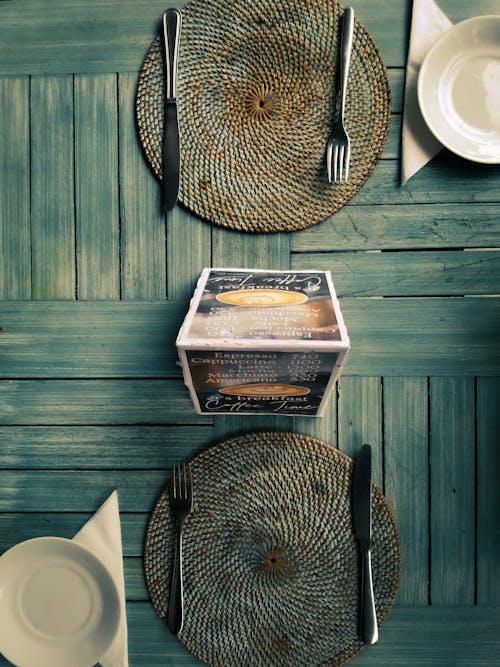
pixel 342 347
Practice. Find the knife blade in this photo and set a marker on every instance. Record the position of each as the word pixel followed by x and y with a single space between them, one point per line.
pixel 362 520
pixel 171 157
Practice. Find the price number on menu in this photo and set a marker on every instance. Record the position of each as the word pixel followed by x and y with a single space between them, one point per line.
pixel 304 367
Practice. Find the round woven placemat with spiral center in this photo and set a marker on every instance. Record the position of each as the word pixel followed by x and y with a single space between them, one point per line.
pixel 256 100
pixel 271 566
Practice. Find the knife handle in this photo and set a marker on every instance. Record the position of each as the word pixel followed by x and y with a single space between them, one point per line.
pixel 172 21
pixel 368 616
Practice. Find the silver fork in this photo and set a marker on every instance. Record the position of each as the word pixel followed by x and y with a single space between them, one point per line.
pixel 181 503
pixel 338 149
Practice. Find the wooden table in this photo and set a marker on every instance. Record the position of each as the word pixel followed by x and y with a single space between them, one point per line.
pixel 94 283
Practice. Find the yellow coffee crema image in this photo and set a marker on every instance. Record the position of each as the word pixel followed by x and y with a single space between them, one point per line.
pixel 265 389
pixel 262 297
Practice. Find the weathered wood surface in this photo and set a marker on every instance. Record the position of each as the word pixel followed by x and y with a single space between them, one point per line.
pixel 418 637
pixel 452 489
pixel 94 283
pixel 111 38
pixel 393 336
pixel 409 273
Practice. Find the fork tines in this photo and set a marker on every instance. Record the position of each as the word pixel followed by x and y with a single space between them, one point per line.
pixel 338 157
pixel 338 154
pixel 181 482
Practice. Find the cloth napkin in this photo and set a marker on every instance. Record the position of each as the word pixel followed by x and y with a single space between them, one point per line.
pixel 419 145
pixel 102 535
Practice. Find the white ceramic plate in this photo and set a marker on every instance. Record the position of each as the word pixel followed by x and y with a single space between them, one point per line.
pixel 58 604
pixel 459 89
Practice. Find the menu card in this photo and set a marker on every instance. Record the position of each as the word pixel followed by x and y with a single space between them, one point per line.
pixel 262 342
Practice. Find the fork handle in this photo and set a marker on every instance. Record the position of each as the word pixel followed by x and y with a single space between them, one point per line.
pixel 345 54
pixel 175 607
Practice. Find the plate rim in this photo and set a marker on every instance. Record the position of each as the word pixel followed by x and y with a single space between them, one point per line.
pixel 420 88
pixel 71 544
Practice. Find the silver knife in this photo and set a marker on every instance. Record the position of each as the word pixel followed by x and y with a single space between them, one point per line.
pixel 362 517
pixel 171 157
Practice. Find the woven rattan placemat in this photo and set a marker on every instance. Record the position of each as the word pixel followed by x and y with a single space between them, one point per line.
pixel 256 98
pixel 271 564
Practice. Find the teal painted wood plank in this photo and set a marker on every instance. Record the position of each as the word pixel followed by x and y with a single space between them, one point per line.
pixel 407 479
pixel 397 336
pixel 71 402
pixel 188 252
pixel 114 36
pixel 15 259
pixel 110 40
pixel 488 490
pixel 226 426
pixel 79 490
pixel 444 179
pixel 90 339
pixel 388 227
pixel 427 336
pixel 252 251
pixel 459 11
pixel 452 470
pixel 392 145
pixel 150 642
pixel 143 235
pixel 325 427
pixel 96 174
pixel 397 84
pixel 135 580
pixel 360 420
pixel 420 637
pixel 410 636
pixel 52 188
pixel 111 36
pixel 421 273
pixel 17 527
pixel 431 636
pixel 99 447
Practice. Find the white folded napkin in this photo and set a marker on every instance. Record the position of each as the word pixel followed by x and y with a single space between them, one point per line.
pixel 419 145
pixel 102 535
